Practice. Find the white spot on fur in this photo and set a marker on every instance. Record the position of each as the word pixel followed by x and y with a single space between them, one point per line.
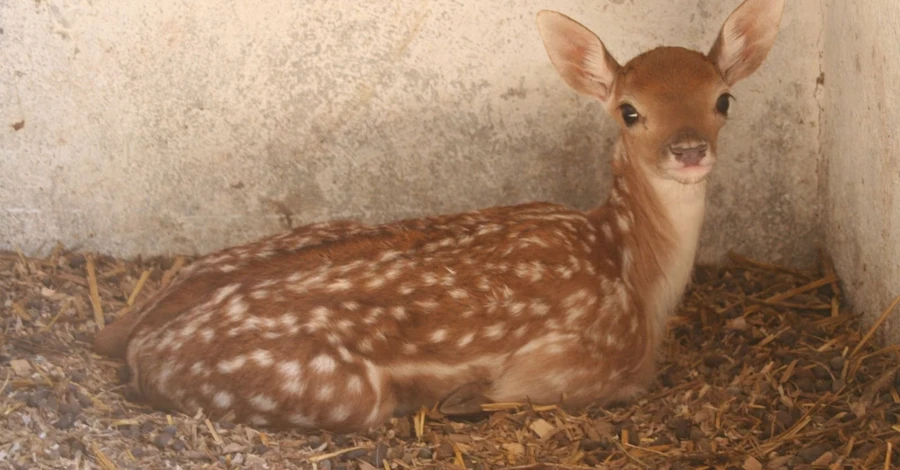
pixel 345 354
pixel 166 342
pixel 319 318
pixel 230 365
pixel 325 393
pixel 224 292
pixel 199 368
pixel 262 357
pixel 448 279
pixel 607 231
pixel 611 340
pixel 398 312
pixel 563 271
pixel 222 399
pixel 259 294
pixel 393 273
pixel 345 325
pixel 373 374
pixel 389 256
pixel 188 330
pixel 300 420
pixel 164 375
pixel 355 385
pixel 459 294
pixel 622 295
pixel 292 375
pixel 575 313
pixel 428 305
pixel 577 297
pixel 516 308
pixel 287 320
pixel 265 284
pixel 375 283
pixel 438 335
pixel 495 331
pixel 539 308
pixel 237 308
pixel 339 414
pixel 323 364
pixel 339 285
pixel 263 403
pixel 623 222
pixel 258 420
pixel 373 316
pixel 349 267
pixel 275 334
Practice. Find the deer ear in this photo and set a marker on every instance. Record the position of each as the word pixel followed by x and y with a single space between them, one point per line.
pixel 746 38
pixel 578 54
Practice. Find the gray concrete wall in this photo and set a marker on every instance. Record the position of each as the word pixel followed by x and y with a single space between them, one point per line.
pixel 167 126
pixel 861 148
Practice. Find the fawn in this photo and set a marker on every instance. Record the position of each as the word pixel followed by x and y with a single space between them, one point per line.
pixel 341 326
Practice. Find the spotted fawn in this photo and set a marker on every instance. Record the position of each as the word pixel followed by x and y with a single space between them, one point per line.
pixel 340 326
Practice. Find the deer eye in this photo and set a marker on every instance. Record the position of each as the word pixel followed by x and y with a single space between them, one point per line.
pixel 723 103
pixel 629 114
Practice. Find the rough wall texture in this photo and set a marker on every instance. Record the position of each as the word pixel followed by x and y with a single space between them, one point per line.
pixel 172 126
pixel 861 146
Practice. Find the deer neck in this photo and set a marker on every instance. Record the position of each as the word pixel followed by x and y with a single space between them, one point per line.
pixel 659 221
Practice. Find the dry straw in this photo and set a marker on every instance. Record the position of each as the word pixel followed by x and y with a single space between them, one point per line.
pixel 763 369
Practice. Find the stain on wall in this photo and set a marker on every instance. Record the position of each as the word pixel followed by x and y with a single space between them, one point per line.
pixel 861 146
pixel 168 126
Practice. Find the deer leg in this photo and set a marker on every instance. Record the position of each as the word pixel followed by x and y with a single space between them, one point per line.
pixel 112 340
pixel 465 400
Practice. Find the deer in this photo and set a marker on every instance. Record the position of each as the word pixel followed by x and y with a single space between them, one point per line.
pixel 342 326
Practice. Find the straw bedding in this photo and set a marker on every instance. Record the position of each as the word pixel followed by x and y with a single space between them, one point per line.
pixel 764 369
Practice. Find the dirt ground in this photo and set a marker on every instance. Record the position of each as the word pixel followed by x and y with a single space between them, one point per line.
pixel 764 369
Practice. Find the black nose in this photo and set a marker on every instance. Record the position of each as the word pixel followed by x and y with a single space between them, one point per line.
pixel 689 154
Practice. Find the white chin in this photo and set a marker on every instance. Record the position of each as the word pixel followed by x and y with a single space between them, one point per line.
pixel 690 175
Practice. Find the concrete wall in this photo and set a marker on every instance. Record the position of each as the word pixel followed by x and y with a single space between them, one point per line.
pixel 861 148
pixel 166 126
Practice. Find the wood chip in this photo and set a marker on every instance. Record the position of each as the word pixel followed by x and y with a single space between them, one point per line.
pixel 752 464
pixel 542 428
pixel 21 367
pixel 234 448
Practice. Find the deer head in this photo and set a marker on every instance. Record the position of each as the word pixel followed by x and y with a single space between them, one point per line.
pixel 670 102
